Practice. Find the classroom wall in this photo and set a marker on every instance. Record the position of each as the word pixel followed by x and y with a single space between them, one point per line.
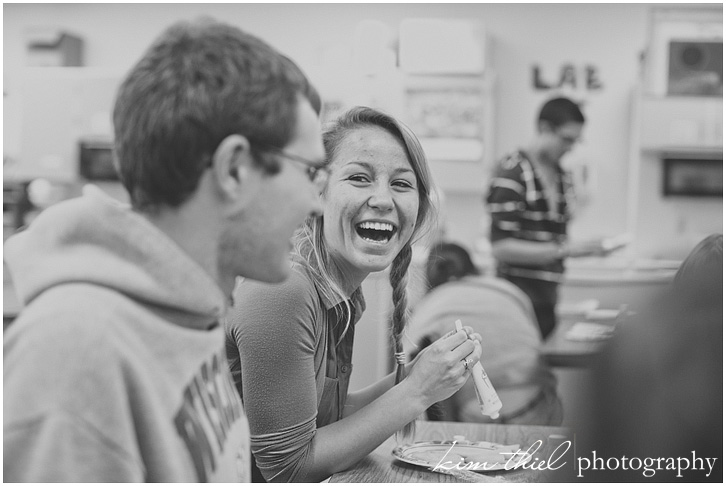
pixel 607 37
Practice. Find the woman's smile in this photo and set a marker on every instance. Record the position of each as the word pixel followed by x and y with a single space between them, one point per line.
pixel 376 232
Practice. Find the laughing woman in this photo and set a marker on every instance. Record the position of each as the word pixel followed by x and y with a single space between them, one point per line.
pixel 290 345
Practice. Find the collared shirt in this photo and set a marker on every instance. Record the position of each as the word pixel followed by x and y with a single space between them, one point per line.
pixel 339 355
pixel 291 358
pixel 520 209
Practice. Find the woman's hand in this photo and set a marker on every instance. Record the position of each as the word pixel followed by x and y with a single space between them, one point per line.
pixel 439 370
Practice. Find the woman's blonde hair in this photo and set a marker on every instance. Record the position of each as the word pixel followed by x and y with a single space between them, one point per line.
pixel 310 247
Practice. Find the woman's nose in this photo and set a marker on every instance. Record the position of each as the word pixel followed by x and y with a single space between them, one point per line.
pixel 381 198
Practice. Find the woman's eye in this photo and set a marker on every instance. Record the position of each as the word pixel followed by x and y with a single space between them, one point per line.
pixel 403 184
pixel 358 178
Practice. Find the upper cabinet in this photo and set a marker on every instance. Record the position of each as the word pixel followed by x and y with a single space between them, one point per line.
pixel 675 179
pixel 681 95
pixel 678 123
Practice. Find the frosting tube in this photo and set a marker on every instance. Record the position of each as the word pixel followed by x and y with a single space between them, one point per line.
pixel 489 401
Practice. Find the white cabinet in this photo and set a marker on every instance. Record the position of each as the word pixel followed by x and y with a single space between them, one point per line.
pixel 688 130
pixel 681 124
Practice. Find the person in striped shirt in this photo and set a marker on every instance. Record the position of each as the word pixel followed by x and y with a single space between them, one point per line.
pixel 530 200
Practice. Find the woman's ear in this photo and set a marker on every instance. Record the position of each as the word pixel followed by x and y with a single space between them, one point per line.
pixel 233 165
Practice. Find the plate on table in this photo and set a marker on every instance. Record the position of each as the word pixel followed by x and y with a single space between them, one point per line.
pixel 472 456
pixel 589 331
pixel 602 314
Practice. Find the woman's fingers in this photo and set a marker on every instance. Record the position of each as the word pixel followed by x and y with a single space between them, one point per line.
pixel 448 334
pixel 441 369
pixel 454 339
pixel 455 347
pixel 465 349
pixel 461 344
pixel 455 336
pixel 475 355
pixel 475 336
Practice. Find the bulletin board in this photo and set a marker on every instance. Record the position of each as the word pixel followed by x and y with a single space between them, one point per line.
pixel 448 116
pixel 446 112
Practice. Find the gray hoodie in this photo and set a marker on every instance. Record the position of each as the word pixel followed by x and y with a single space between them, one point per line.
pixel 115 370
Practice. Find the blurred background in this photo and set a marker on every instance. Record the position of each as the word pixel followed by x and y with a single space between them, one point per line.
pixel 468 78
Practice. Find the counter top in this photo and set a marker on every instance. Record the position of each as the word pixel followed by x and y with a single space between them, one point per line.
pixel 607 271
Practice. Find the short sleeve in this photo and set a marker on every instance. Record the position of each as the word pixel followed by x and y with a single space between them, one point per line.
pixel 506 199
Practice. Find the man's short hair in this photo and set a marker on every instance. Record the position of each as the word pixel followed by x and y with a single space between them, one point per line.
pixel 558 111
pixel 198 83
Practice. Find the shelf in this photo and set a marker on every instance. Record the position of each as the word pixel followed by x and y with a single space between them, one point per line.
pixel 681 124
pixel 695 151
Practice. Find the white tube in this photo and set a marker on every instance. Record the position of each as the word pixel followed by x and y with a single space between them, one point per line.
pixel 489 401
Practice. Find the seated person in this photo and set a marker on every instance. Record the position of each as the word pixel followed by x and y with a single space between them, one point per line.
pixel 293 373
pixel 503 315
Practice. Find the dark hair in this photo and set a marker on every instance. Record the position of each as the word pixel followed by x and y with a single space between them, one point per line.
pixel 559 111
pixel 446 262
pixel 700 276
pixel 198 83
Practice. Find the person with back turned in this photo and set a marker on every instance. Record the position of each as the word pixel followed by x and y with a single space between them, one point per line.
pixel 115 371
pixel 655 392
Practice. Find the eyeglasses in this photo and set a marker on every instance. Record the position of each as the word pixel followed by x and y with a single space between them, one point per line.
pixel 569 139
pixel 317 173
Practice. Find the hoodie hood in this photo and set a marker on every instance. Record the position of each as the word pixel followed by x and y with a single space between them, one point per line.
pixel 96 240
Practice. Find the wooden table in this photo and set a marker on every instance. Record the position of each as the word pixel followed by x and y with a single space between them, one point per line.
pixel 380 466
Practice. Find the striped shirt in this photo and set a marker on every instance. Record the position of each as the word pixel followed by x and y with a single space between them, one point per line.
pixel 520 209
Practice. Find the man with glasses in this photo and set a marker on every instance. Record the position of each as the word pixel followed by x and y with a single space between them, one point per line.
pixel 115 371
pixel 316 171
pixel 531 200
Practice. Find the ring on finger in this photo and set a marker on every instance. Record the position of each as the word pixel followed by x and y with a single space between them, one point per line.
pixel 467 363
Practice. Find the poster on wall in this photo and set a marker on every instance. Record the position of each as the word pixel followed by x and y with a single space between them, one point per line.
pixel 448 120
pixel 695 68
pixel 685 52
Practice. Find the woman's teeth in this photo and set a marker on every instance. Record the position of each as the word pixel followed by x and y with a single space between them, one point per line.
pixel 375 232
pixel 376 226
